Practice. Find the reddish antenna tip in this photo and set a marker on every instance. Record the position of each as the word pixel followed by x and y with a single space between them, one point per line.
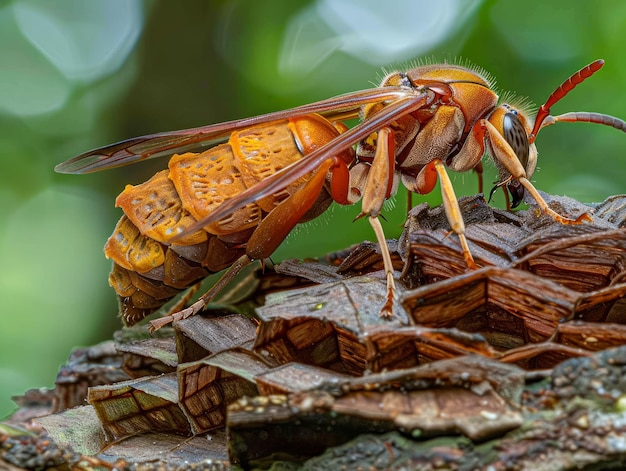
pixel 572 82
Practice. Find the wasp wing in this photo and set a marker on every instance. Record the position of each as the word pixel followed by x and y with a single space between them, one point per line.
pixel 410 102
pixel 168 143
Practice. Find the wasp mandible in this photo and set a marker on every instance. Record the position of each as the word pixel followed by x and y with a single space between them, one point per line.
pixel 237 200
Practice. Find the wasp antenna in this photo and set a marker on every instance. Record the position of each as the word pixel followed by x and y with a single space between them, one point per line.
pixel 587 117
pixel 563 89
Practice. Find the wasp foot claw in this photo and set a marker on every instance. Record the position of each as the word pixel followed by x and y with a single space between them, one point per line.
pixel 585 217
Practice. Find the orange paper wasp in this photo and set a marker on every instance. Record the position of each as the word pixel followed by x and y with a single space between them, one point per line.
pixel 237 201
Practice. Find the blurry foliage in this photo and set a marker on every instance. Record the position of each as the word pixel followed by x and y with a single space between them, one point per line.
pixel 77 75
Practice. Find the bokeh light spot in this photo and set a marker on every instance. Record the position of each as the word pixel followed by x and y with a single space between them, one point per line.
pixel 84 40
pixel 29 85
pixel 360 28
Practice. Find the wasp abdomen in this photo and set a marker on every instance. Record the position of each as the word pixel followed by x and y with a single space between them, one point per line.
pixel 151 263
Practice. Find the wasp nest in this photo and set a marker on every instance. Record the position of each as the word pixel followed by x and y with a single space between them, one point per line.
pixel 532 336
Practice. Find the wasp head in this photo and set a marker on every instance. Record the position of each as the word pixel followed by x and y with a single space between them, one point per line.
pixel 514 124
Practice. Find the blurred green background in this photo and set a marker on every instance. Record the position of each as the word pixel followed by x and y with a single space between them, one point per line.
pixel 75 75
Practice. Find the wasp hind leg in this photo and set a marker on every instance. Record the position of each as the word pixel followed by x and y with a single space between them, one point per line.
pixel 175 315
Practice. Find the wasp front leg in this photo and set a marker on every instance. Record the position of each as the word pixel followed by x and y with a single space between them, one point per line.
pixel 505 156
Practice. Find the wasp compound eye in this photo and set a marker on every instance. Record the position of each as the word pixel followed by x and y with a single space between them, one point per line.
pixel 516 136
